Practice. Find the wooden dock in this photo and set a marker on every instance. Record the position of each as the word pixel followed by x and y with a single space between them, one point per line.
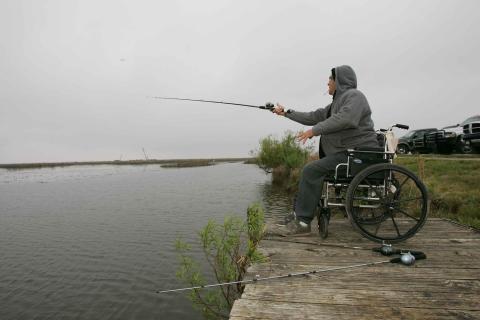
pixel 445 286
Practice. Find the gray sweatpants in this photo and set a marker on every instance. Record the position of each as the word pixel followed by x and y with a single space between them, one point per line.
pixel 311 184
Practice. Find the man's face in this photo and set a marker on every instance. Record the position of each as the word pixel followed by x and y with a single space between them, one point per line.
pixel 331 86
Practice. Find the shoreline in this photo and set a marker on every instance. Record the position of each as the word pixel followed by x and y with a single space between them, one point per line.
pixel 167 163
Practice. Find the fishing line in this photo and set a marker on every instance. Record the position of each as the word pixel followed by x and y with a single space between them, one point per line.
pixel 267 106
pixel 406 259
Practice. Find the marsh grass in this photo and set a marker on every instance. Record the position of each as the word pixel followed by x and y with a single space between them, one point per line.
pixel 453 186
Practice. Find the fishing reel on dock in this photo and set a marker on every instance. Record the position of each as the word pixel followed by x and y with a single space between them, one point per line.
pixel 407 257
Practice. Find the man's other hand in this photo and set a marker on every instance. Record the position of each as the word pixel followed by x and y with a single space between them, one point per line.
pixel 304 136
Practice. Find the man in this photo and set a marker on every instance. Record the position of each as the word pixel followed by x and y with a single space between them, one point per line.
pixel 344 124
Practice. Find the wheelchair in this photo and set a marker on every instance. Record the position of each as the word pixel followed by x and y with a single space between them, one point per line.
pixel 385 202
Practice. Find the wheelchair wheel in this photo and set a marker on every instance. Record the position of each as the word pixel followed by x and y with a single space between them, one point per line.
pixel 387 203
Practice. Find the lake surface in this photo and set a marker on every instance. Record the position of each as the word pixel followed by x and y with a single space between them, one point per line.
pixel 97 242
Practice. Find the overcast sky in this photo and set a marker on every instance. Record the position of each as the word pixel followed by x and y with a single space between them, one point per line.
pixel 75 75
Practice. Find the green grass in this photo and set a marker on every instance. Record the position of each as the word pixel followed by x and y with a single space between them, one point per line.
pixel 453 186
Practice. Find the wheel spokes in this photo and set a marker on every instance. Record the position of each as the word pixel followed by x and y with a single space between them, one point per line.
pixel 408 215
pixel 395 224
pixel 401 184
pixel 377 228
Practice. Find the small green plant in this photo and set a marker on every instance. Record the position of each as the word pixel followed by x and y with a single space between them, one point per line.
pixel 229 249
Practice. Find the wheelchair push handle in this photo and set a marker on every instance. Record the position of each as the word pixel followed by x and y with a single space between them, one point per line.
pixel 401 126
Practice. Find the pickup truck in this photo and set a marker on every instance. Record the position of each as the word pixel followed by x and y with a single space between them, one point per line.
pixel 452 138
pixel 414 141
pixel 444 140
pixel 471 132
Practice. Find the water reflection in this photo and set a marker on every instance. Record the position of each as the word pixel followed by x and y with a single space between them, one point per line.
pixel 276 201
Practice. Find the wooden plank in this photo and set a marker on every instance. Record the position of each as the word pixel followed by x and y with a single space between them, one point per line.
pixel 366 296
pixel 444 259
pixel 435 285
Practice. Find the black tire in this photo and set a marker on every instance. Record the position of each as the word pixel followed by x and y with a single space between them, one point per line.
pixel 464 148
pixel 402 149
pixel 323 220
pixel 395 206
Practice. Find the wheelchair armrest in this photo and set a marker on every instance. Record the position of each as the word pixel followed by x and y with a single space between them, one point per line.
pixel 367 149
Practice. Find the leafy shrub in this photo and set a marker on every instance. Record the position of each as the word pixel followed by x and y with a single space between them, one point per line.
pixel 229 249
pixel 286 152
pixel 283 158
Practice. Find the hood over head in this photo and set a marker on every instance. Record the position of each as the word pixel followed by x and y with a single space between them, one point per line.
pixel 345 79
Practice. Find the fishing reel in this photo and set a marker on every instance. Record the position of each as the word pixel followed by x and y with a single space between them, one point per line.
pixel 407 257
pixel 268 106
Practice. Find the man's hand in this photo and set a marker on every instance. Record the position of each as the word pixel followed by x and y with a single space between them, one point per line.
pixel 279 110
pixel 304 136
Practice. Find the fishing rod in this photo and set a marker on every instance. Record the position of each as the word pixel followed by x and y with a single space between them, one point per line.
pixel 407 258
pixel 268 106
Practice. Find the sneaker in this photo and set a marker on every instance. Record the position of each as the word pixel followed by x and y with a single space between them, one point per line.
pixel 297 227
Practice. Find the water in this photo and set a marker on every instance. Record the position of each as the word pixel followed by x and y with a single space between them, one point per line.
pixel 96 242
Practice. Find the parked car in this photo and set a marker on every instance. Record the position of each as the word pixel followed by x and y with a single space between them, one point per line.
pixel 471 132
pixel 414 141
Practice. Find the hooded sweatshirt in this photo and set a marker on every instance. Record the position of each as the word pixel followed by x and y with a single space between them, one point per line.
pixel 350 124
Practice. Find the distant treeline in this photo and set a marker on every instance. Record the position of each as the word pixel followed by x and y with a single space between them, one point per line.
pixel 167 163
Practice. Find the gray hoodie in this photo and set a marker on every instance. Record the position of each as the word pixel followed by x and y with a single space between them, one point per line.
pixel 350 124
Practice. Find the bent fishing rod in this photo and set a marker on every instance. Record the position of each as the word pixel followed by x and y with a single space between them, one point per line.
pixel 268 106
pixel 407 259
